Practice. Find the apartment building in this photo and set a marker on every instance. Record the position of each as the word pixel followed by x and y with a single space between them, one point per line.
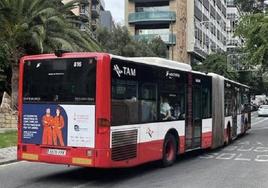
pixel 89 12
pixel 106 20
pixel 192 29
pixel 233 14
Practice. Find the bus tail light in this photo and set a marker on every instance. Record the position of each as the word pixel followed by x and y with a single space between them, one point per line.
pixel 24 148
pixel 103 125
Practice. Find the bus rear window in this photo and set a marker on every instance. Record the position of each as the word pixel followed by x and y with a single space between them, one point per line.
pixel 60 81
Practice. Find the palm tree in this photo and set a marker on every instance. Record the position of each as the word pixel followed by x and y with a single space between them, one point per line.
pixel 39 26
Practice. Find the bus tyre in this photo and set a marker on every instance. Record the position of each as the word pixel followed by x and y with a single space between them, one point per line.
pixel 169 150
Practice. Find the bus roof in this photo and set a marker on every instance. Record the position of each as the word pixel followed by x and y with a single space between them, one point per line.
pixel 156 61
pixel 223 78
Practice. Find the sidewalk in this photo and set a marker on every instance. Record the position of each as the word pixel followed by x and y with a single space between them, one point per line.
pixel 8 155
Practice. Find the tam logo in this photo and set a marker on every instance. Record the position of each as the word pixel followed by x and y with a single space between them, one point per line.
pixel 125 71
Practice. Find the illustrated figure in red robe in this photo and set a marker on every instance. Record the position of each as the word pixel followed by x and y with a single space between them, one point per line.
pixel 58 124
pixel 47 122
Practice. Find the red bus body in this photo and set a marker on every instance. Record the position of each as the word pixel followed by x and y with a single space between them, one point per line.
pixel 100 156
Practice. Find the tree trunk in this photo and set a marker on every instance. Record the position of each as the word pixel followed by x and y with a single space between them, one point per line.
pixel 14 85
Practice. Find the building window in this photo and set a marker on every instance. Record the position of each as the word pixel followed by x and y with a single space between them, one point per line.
pixel 152 8
pixel 230 3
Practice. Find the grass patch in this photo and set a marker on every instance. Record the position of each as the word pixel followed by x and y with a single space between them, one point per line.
pixel 8 139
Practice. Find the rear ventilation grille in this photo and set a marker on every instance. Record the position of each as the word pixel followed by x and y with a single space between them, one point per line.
pixel 124 145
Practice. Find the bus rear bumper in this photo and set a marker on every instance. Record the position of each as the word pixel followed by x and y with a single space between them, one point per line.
pixel 85 157
pixel 67 156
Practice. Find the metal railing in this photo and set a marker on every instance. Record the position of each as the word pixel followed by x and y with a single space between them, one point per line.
pixel 168 16
pixel 167 38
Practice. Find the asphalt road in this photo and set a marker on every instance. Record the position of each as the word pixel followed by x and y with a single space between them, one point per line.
pixel 242 164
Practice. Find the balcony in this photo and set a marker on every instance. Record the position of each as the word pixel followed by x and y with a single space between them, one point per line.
pixel 84 2
pixel 149 1
pixel 169 39
pixel 98 2
pixel 152 17
pixel 94 24
pixel 95 11
pixel 84 16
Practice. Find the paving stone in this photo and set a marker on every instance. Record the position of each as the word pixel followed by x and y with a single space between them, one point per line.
pixel 8 155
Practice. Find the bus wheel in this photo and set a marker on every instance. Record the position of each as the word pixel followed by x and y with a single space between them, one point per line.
pixel 169 150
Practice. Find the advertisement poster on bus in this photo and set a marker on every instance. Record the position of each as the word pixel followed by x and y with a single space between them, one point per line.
pixel 59 125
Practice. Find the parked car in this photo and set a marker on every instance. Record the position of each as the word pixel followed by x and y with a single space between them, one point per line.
pixel 263 110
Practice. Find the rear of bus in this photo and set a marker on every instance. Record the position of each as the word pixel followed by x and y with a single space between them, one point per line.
pixel 64 115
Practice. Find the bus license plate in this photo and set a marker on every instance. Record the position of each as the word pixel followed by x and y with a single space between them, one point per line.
pixel 56 152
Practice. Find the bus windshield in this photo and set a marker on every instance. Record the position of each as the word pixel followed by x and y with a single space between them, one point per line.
pixel 60 81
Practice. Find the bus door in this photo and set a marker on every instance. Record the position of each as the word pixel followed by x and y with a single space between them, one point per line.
pixel 197 116
pixel 194 116
pixel 234 114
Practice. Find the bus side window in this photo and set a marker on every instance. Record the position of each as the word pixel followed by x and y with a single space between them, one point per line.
pixel 148 103
pixel 245 103
pixel 172 103
pixel 206 102
pixel 238 104
pixel 228 102
pixel 125 105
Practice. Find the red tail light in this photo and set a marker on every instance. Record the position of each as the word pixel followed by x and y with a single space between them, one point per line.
pixel 24 148
pixel 103 125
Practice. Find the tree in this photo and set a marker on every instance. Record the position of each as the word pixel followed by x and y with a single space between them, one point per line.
pixel 120 42
pixel 253 29
pixel 158 47
pixel 216 63
pixel 5 72
pixel 3 58
pixel 250 6
pixel 38 26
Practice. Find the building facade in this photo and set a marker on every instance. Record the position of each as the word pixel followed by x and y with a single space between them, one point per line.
pixel 89 12
pixel 192 29
pixel 106 20
pixel 233 14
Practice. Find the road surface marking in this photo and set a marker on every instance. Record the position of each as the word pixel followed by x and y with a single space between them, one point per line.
pixel 226 156
pixel 245 149
pixel 239 158
pixel 262 158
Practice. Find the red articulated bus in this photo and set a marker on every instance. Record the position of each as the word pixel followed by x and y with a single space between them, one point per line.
pixel 105 111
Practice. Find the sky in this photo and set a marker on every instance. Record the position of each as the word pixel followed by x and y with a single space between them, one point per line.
pixel 117 8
